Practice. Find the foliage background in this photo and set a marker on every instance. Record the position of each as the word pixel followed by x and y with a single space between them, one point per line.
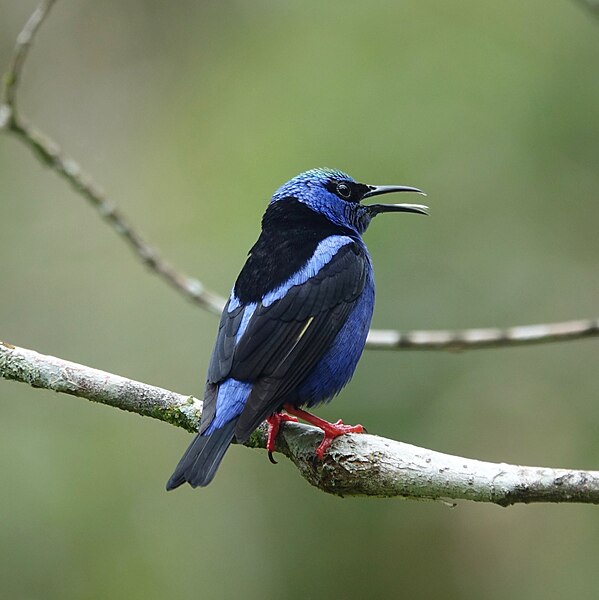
pixel 191 114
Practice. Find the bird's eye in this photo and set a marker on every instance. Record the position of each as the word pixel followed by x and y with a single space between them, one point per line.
pixel 343 190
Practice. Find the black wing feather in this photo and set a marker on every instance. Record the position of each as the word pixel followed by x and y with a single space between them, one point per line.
pixel 269 393
pixel 224 347
pixel 271 353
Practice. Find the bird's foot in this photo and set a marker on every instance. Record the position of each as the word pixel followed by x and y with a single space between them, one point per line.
pixel 274 424
pixel 331 430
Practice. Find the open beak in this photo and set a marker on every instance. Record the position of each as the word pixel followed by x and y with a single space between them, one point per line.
pixel 377 190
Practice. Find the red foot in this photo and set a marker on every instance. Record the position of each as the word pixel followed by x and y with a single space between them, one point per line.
pixel 274 424
pixel 331 430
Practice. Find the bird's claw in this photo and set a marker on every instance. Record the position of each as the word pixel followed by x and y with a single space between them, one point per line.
pixel 334 430
pixel 331 430
pixel 274 424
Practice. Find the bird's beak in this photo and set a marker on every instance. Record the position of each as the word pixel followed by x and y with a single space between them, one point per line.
pixel 377 190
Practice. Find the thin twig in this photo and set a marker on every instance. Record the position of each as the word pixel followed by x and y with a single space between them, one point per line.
pixel 472 339
pixel 22 46
pixel 355 465
pixel 50 153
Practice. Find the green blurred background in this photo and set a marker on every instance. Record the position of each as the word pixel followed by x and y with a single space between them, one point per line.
pixel 191 115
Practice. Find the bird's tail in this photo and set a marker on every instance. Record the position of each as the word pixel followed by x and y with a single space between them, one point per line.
pixel 201 460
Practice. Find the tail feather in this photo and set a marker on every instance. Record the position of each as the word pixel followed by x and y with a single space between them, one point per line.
pixel 201 460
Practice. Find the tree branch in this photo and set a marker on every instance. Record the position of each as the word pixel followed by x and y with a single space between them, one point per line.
pixel 355 465
pixel 472 339
pixel 50 153
pixel 22 47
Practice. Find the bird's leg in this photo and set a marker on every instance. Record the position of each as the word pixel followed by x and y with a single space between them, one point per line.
pixel 274 424
pixel 331 430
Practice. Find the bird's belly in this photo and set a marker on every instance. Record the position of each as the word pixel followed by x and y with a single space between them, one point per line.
pixel 338 364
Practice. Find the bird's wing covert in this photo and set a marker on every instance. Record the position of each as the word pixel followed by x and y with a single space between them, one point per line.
pixel 283 341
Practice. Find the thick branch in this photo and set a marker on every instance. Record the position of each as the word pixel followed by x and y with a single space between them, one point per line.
pixel 355 465
pixel 47 372
pixel 50 153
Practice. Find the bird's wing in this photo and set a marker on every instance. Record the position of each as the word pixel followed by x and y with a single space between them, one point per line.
pixel 283 341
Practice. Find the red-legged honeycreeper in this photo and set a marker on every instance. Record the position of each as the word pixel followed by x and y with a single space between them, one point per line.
pixel 295 325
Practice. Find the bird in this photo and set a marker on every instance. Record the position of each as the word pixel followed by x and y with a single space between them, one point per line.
pixel 296 322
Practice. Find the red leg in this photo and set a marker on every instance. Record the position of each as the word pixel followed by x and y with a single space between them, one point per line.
pixel 274 424
pixel 331 430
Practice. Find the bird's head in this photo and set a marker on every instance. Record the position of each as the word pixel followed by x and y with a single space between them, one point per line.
pixel 338 197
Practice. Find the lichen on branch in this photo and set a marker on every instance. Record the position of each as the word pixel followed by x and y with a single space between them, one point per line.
pixel 355 465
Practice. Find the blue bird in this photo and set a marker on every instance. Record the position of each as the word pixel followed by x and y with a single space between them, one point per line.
pixel 295 325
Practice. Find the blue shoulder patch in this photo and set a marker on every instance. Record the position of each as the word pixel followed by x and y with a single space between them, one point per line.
pixel 323 254
pixel 247 315
pixel 234 302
